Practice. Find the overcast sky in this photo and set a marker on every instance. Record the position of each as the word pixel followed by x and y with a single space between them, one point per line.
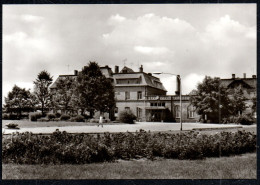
pixel 192 40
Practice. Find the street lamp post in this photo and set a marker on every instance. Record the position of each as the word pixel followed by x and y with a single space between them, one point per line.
pixel 178 76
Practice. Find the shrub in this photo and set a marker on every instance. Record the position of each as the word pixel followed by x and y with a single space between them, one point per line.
pixel 33 116
pixel 12 125
pixel 64 117
pixel 5 116
pixel 127 116
pixel 57 115
pixel 94 120
pixel 86 116
pixel 13 117
pixel 78 118
pixel 245 120
pixel 65 148
pixel 51 116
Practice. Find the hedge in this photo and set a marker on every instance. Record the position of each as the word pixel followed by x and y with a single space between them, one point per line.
pixel 64 148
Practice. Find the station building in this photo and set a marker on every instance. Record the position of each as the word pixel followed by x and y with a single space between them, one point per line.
pixel 145 95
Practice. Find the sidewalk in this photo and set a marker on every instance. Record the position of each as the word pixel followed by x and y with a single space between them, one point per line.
pixel 155 126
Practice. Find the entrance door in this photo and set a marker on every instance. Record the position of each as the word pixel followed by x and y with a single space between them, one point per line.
pixel 157 115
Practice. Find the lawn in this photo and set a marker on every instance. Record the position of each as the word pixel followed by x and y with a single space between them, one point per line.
pixel 235 167
pixel 31 124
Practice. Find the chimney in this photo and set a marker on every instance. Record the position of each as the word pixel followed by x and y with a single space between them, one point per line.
pixel 233 76
pixel 76 72
pixel 150 74
pixel 116 69
pixel 178 85
pixel 244 75
pixel 141 69
pixel 253 76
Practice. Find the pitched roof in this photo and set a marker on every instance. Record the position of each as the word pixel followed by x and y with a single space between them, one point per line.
pixel 251 82
pixel 145 80
pixel 53 86
pixel 127 69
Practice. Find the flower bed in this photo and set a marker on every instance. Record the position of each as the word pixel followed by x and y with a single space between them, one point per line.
pixel 61 147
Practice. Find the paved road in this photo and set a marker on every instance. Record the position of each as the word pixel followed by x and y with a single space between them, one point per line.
pixel 156 126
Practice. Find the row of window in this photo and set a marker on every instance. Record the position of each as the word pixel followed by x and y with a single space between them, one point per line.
pixel 158 104
pixel 190 111
pixel 139 95
pixel 128 81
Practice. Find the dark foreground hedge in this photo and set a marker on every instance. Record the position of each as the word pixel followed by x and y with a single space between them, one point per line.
pixel 61 147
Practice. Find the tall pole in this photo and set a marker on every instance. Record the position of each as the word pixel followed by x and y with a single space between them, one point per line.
pixel 180 103
pixel 219 105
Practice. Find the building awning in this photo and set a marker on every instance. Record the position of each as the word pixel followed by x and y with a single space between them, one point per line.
pixel 127 76
pixel 155 108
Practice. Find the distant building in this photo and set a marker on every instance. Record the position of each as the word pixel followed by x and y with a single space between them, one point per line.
pixel 248 86
pixel 145 95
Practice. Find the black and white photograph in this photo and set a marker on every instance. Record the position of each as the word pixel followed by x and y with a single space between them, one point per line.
pixel 129 91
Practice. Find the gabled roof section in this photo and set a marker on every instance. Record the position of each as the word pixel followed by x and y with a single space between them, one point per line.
pixel 126 70
pixel 153 82
pixel 252 82
pixel 246 82
pixel 145 80
pixel 53 86
pixel 236 83
pixel 225 82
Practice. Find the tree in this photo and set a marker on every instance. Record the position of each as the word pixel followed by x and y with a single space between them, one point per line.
pixel 211 100
pixel 254 106
pixel 94 92
pixel 41 89
pixel 237 101
pixel 18 100
pixel 62 98
pixel 34 104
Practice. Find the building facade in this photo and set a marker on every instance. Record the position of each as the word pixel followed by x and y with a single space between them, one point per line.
pixel 248 85
pixel 145 95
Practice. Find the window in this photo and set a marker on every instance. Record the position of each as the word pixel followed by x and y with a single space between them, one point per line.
pixel 139 112
pixel 191 111
pixel 127 95
pixel 139 95
pixel 127 108
pixel 116 110
pixel 159 104
pixel 128 81
pixel 177 111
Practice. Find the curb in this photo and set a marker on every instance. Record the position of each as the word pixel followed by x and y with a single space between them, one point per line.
pixel 216 128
